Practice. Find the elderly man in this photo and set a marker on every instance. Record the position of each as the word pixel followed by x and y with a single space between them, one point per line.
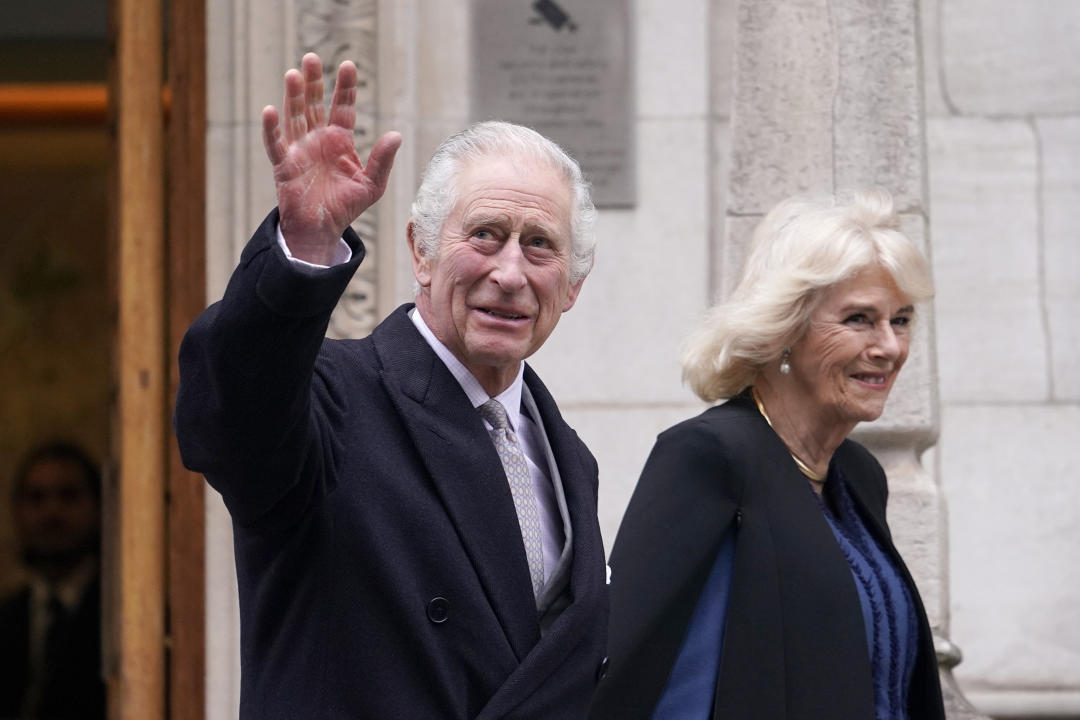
pixel 415 524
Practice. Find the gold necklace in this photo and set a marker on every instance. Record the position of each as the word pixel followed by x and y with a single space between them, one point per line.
pixel 803 467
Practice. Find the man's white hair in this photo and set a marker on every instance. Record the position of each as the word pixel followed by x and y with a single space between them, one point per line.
pixel 437 193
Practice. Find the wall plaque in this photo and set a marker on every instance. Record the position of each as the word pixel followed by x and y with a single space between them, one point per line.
pixel 562 67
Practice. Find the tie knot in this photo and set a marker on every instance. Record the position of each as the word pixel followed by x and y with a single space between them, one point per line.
pixel 495 413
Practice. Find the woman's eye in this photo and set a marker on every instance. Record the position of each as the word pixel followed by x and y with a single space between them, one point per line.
pixel 901 321
pixel 857 319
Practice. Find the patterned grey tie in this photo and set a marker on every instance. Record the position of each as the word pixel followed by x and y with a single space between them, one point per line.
pixel 521 488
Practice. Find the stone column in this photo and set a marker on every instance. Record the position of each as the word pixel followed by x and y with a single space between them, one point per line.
pixel 827 96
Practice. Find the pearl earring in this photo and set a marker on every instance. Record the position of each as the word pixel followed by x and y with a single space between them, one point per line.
pixel 785 366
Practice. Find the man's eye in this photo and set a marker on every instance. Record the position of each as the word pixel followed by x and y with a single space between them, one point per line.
pixel 482 235
pixel 538 242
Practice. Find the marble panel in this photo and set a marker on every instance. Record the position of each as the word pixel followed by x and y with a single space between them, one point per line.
pixel 936 103
pixel 991 337
pixel 221 64
pixel 671 57
pixel 222 614
pixel 1003 57
pixel 722 22
pixel 1014 526
pixel 1059 140
pixel 442 58
pixel 266 48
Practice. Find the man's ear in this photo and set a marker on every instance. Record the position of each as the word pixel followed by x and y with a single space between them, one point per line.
pixel 421 264
pixel 572 293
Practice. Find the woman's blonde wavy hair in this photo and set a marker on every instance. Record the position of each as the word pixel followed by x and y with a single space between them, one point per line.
pixel 803 246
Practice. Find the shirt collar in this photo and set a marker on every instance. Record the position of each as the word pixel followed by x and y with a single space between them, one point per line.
pixel 69 591
pixel 510 398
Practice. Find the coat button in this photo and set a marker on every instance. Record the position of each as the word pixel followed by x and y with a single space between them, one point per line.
pixel 601 672
pixel 438 610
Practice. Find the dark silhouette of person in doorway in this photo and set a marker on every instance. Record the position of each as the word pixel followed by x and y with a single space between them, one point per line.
pixel 50 627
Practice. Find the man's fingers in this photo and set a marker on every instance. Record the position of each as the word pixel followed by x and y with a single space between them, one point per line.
pixel 295 120
pixel 343 104
pixel 381 159
pixel 273 142
pixel 311 67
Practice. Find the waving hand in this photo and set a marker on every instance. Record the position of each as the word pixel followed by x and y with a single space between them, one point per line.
pixel 321 184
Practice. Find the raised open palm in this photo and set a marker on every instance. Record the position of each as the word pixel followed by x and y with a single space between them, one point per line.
pixel 321 184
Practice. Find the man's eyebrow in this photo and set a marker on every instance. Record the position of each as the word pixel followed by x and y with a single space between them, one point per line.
pixel 486 219
pixel 533 227
pixel 540 229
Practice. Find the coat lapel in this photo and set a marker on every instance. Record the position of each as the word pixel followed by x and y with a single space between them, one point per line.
pixel 587 569
pixel 465 470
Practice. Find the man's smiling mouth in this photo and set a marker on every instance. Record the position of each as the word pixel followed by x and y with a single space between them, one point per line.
pixel 505 316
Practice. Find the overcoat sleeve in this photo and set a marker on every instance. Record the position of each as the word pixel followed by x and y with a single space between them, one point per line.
pixel 252 413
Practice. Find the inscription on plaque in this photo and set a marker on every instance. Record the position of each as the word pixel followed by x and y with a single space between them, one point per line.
pixel 562 67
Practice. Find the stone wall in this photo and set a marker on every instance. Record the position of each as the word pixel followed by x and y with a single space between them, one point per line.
pixel 1003 129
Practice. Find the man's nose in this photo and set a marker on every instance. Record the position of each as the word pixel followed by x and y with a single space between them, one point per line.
pixel 509 270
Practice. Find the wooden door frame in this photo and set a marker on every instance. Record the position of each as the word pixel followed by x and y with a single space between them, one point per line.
pixel 134 569
pixel 155 616
pixel 186 297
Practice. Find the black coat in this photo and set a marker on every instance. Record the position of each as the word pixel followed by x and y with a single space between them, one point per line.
pixel 379 559
pixel 794 645
pixel 74 688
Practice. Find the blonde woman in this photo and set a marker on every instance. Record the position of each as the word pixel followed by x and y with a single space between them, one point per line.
pixel 754 575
